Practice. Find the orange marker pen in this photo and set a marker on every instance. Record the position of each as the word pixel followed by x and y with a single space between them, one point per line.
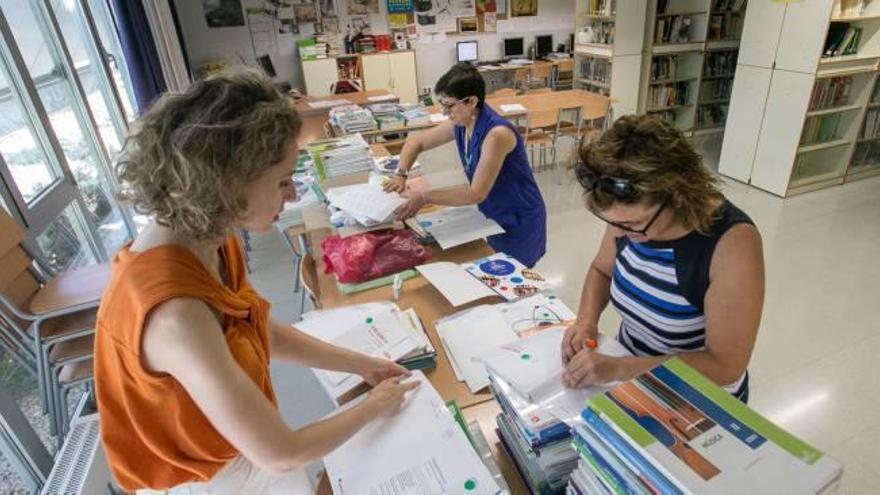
pixel 590 344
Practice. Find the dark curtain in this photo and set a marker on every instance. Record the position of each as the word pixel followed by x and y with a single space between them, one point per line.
pixel 139 50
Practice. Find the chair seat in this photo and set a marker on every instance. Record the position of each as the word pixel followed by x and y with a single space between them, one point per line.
pixel 75 287
pixel 539 139
pixel 74 322
pixel 72 349
pixel 76 371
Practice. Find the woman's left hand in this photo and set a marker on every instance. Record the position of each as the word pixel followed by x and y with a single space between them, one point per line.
pixel 590 368
pixel 413 204
pixel 375 370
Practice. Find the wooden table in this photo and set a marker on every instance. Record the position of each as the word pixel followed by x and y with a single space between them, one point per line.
pixel 593 105
pixel 356 98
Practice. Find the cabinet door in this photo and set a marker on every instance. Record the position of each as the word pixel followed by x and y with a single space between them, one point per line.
pixel 760 36
pixel 403 76
pixel 319 75
pixel 747 101
pixel 376 72
pixel 803 36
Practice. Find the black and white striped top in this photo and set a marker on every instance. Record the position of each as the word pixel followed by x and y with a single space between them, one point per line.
pixel 658 287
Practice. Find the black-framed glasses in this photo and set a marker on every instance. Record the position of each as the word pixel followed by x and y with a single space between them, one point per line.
pixel 641 231
pixel 590 180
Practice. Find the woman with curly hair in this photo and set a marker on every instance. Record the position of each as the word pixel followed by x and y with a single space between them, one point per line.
pixel 681 264
pixel 183 341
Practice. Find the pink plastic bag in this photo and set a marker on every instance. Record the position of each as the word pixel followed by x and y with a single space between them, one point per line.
pixel 372 255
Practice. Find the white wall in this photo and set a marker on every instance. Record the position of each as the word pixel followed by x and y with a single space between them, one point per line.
pixel 233 43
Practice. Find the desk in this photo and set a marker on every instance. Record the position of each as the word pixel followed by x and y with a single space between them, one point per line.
pixel 593 105
pixel 356 98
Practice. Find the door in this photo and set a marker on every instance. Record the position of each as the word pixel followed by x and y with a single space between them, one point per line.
pixel 403 76
pixel 377 74
pixel 319 75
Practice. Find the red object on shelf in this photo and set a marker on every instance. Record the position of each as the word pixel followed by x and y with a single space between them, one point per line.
pixel 383 42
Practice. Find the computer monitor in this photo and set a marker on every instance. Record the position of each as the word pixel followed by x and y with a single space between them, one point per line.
pixel 543 45
pixel 514 47
pixel 466 51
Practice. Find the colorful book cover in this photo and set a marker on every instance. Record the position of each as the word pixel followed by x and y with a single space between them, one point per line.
pixel 507 276
pixel 706 441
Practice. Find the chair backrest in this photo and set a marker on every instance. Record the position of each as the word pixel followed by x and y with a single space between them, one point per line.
pixel 17 279
pixel 522 74
pixel 595 112
pixel 538 91
pixel 541 71
pixel 566 65
pixel 308 277
pixel 542 119
pixel 501 93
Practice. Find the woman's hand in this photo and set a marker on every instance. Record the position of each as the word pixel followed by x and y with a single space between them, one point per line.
pixel 388 396
pixel 414 203
pixel 591 368
pixel 376 370
pixel 396 183
pixel 575 337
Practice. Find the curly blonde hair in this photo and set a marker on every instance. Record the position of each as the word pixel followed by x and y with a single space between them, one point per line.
pixel 187 159
pixel 660 163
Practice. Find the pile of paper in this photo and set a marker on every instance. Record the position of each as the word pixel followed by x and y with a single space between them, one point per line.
pixel 340 156
pixel 470 334
pixel 376 329
pixel 352 119
pixel 422 450
pixel 458 225
pixel 367 203
pixel 415 114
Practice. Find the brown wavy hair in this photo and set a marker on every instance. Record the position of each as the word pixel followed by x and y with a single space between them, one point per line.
pixel 187 159
pixel 660 163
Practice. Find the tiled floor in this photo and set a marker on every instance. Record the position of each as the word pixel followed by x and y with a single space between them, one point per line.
pixel 813 368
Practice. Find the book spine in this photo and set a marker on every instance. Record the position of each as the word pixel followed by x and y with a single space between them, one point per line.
pixel 627 478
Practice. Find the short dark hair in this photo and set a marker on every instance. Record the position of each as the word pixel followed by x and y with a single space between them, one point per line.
pixel 461 81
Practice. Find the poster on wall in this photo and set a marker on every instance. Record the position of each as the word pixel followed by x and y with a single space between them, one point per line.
pixel 523 8
pixel 223 13
pixel 329 24
pixel 362 7
pixel 398 21
pixel 305 13
pixel 440 16
pixel 489 22
pixel 484 6
pixel 400 6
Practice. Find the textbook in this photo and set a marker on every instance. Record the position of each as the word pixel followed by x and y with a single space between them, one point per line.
pixel 671 430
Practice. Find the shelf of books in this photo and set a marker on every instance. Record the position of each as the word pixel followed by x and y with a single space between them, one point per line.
pixel 608 50
pixel 865 160
pixel 672 87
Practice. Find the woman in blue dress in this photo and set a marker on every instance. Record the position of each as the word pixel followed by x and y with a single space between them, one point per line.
pixel 500 180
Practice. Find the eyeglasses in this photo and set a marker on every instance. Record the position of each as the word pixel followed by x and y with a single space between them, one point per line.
pixel 448 106
pixel 641 231
pixel 621 189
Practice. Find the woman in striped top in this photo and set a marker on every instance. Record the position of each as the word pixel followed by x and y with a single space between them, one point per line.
pixel 681 264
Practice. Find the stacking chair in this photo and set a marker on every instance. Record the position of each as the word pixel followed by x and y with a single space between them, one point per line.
pixel 47 322
pixel 308 278
pixel 564 78
pixel 540 76
pixel 536 135
pixel 503 93
pixel 521 78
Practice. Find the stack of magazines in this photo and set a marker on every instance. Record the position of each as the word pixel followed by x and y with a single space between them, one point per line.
pixel 352 118
pixel 340 156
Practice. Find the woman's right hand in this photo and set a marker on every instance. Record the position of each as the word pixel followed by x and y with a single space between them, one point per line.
pixel 574 338
pixel 397 183
pixel 387 397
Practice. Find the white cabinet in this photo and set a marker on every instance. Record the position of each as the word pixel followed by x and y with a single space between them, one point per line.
pixel 760 36
pixel 750 88
pixel 803 36
pixel 319 76
pixel 395 72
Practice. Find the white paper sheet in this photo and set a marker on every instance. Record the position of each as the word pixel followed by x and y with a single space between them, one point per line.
pixel 419 451
pixel 382 97
pixel 471 334
pixel 365 200
pixel 512 108
pixel 328 103
pixel 452 227
pixel 454 282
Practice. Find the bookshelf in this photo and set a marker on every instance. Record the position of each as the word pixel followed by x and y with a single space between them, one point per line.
pixel 691 62
pixel 803 107
pixel 608 50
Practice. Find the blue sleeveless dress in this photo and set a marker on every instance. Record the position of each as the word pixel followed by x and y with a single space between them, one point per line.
pixel 515 201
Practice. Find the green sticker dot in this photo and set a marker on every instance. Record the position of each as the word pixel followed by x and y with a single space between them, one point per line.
pixel 546 315
pixel 470 484
pixel 369 320
pixel 526 356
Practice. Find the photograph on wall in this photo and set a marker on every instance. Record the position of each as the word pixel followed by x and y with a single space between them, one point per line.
pixel 440 16
pixel 304 13
pixel 467 24
pixel 329 24
pixel 489 22
pixel 400 6
pixel 523 8
pixel 223 13
pixel 362 7
pixel 484 6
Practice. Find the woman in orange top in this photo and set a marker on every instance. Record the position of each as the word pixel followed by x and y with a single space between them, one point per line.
pixel 183 341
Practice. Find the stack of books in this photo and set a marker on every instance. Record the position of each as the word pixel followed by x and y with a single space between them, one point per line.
pixel 820 128
pixel 415 114
pixel 672 431
pixel 673 29
pixel 831 92
pixel 387 115
pixel 843 39
pixel 327 45
pixel 666 95
pixel 340 156
pixel 720 63
pixel 537 442
pixel 352 119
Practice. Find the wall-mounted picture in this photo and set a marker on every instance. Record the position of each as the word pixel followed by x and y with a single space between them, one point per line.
pixel 523 8
pixel 468 24
pixel 307 12
pixel 223 13
pixel 362 7
pixel 484 6
pixel 489 22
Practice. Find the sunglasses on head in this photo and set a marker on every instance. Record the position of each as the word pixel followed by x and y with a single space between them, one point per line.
pixel 622 189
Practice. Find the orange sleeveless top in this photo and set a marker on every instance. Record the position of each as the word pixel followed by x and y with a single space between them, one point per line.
pixel 154 435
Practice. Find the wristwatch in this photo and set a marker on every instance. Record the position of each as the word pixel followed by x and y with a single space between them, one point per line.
pixel 403 173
